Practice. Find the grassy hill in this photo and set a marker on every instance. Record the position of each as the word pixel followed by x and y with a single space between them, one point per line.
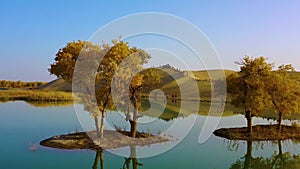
pixel 186 82
pixel 172 80
pixel 57 85
pixel 204 74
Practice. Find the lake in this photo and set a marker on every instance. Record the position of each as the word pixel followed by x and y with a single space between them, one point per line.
pixel 23 126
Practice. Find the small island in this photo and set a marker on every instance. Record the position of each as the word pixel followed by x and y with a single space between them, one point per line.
pixel 112 140
pixel 260 133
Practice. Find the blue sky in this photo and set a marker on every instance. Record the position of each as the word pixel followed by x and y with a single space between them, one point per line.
pixel 31 32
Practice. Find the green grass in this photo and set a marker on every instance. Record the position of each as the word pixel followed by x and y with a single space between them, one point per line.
pixel 203 75
pixel 178 82
pixel 35 95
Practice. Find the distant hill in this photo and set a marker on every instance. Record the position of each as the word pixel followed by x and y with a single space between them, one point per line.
pixel 170 79
pixel 204 74
pixel 57 85
pixel 173 78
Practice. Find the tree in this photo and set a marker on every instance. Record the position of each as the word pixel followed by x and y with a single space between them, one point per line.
pixel 120 54
pixel 3 83
pixel 247 87
pixel 64 67
pixel 147 79
pixel 112 57
pixel 283 91
pixel 128 83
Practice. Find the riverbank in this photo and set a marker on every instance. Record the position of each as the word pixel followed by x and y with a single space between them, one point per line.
pixel 111 140
pixel 260 133
pixel 35 95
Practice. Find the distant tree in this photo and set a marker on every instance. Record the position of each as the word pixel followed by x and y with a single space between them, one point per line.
pixel 284 92
pixel 2 83
pixel 247 87
pixel 18 84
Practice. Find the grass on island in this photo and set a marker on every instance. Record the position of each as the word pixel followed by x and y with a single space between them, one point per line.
pixel 35 95
pixel 260 133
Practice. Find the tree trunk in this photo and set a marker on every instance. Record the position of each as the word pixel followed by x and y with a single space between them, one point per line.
pixel 133 122
pixel 248 156
pixel 97 124
pixel 279 121
pixel 133 128
pixel 102 126
pixel 249 122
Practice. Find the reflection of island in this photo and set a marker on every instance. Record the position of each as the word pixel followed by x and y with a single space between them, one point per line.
pixel 50 104
pixel 132 159
pixel 278 160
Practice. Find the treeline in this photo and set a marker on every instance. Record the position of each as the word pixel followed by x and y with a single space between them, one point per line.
pixel 19 84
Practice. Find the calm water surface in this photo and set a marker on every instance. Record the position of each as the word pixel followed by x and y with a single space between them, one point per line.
pixel 23 126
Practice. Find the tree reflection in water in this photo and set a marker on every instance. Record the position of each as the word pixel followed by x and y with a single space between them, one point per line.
pixel 132 158
pixel 127 163
pixel 278 160
pixel 99 157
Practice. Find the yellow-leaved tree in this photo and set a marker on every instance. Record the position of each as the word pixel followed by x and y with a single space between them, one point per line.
pixel 97 69
pixel 283 90
pixel 247 87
